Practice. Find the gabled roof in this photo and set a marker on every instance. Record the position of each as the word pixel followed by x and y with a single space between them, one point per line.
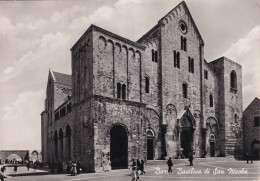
pixel 160 23
pixel 256 101
pixel 61 78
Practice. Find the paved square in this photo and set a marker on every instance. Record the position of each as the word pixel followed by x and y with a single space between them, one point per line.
pixel 204 169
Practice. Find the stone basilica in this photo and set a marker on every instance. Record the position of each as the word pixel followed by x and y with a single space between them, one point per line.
pixel 150 99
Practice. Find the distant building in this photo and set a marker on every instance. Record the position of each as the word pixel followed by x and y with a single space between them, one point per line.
pixel 251 119
pixel 21 155
pixel 147 99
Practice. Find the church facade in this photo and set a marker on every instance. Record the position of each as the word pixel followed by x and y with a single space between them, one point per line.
pixel 150 99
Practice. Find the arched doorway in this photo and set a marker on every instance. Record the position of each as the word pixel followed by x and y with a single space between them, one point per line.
pixel 186 135
pixel 34 156
pixel 150 145
pixel 212 145
pixel 186 142
pixel 118 147
pixel 13 158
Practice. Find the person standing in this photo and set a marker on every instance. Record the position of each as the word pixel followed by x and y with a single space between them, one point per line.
pixel 15 168
pixel 169 163
pixel 28 166
pixel 78 167
pixel 251 157
pixel 3 170
pixel 191 158
pixel 138 163
pixel 247 157
pixel 142 167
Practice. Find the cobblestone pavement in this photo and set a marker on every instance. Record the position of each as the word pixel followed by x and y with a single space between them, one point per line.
pixel 203 169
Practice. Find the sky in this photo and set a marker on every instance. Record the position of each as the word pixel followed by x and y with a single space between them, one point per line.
pixel 37 36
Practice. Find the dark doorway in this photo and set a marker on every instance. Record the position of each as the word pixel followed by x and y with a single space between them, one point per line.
pixel 255 148
pixel 118 147
pixel 203 143
pixel 186 143
pixel 150 148
pixel 212 149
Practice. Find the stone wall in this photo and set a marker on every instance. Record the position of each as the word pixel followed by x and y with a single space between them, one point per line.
pixel 116 61
pixel 229 107
pixel 173 78
pixel 251 133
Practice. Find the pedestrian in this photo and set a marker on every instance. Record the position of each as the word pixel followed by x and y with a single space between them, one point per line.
pixel 247 157
pixel 74 169
pixel 251 157
pixel 133 166
pixel 28 166
pixel 138 164
pixel 191 158
pixel 78 167
pixel 169 163
pixel 3 168
pixel 64 166
pixel 15 168
pixel 35 166
pixel 142 167
pixel 41 164
pixel 2 177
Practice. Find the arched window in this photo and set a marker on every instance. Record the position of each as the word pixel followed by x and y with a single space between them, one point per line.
pixel 184 90
pixel 147 84
pixel 123 91
pixel 118 90
pixel 183 43
pixel 233 80
pixel 210 100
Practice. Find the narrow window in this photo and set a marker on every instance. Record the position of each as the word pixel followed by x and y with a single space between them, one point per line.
pixel 123 91
pixel 63 112
pixel 184 90
pixel 118 90
pixel 233 80
pixel 147 84
pixel 257 121
pixel 185 44
pixel 205 74
pixel 178 60
pixel 155 56
pixel 189 64
pixel 181 43
pixel 192 65
pixel 57 116
pixel 175 58
pixel 152 55
pixel 210 100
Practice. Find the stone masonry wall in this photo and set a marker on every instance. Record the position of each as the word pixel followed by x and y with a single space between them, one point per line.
pixel 251 133
pixel 115 62
pixel 173 78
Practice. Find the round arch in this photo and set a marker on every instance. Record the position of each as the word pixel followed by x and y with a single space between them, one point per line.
pixel 119 146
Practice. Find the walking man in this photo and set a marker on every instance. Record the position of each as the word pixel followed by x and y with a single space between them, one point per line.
pixel 169 163
pixel 191 158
